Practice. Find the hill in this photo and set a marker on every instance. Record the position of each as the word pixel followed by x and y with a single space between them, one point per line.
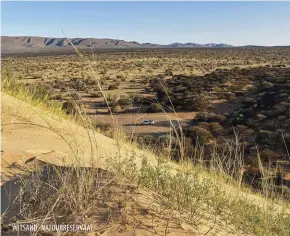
pixel 14 44
pixel 198 45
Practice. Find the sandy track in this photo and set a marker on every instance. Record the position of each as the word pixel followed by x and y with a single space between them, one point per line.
pixel 130 123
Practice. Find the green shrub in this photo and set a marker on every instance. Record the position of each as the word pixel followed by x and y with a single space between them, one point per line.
pixel 216 127
pixel 155 108
pixel 125 102
pixel 199 103
pixel 96 94
pixel 199 134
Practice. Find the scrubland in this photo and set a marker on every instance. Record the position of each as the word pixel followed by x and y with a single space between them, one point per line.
pixel 219 150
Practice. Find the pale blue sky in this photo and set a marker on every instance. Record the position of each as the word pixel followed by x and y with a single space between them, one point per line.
pixel 237 23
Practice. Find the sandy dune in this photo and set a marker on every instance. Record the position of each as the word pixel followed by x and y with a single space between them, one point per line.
pixel 32 138
pixel 37 132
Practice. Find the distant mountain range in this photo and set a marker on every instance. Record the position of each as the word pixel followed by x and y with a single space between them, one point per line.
pixel 198 45
pixel 14 44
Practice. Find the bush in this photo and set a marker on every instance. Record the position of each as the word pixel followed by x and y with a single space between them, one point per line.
pixel 237 86
pixel 121 77
pixel 248 101
pixel 199 134
pixel 267 136
pixel 71 107
pixel 75 96
pixel 200 103
pixel 113 86
pixel 104 127
pixel 155 108
pixel 216 127
pixel 90 81
pixel 116 108
pixel 58 97
pixel 195 103
pixel 248 133
pixel 146 140
pixel 78 84
pixel 241 128
pixel 204 125
pixel 168 72
pixel 209 117
pixel 232 98
pixel 261 117
pixel 96 94
pixel 122 103
pixel 251 123
pixel 125 102
pixel 268 155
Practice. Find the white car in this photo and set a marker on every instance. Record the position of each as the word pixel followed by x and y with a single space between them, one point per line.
pixel 147 122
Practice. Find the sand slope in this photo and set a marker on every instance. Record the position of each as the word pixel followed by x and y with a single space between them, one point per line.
pixel 55 140
pixel 33 138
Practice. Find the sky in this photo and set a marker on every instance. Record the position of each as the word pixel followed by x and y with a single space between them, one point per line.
pixel 236 23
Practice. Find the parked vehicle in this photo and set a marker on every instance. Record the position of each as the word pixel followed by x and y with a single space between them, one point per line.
pixel 147 122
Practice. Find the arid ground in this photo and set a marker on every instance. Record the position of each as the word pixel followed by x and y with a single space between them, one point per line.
pixel 224 110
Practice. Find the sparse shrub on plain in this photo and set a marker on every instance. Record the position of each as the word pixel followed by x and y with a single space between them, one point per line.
pixel 71 107
pixel 113 86
pixel 125 102
pixel 116 108
pixel 96 94
pixel 155 108
pixel 74 96
pixel 78 84
pixel 148 140
pixel 198 134
pixel 168 72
